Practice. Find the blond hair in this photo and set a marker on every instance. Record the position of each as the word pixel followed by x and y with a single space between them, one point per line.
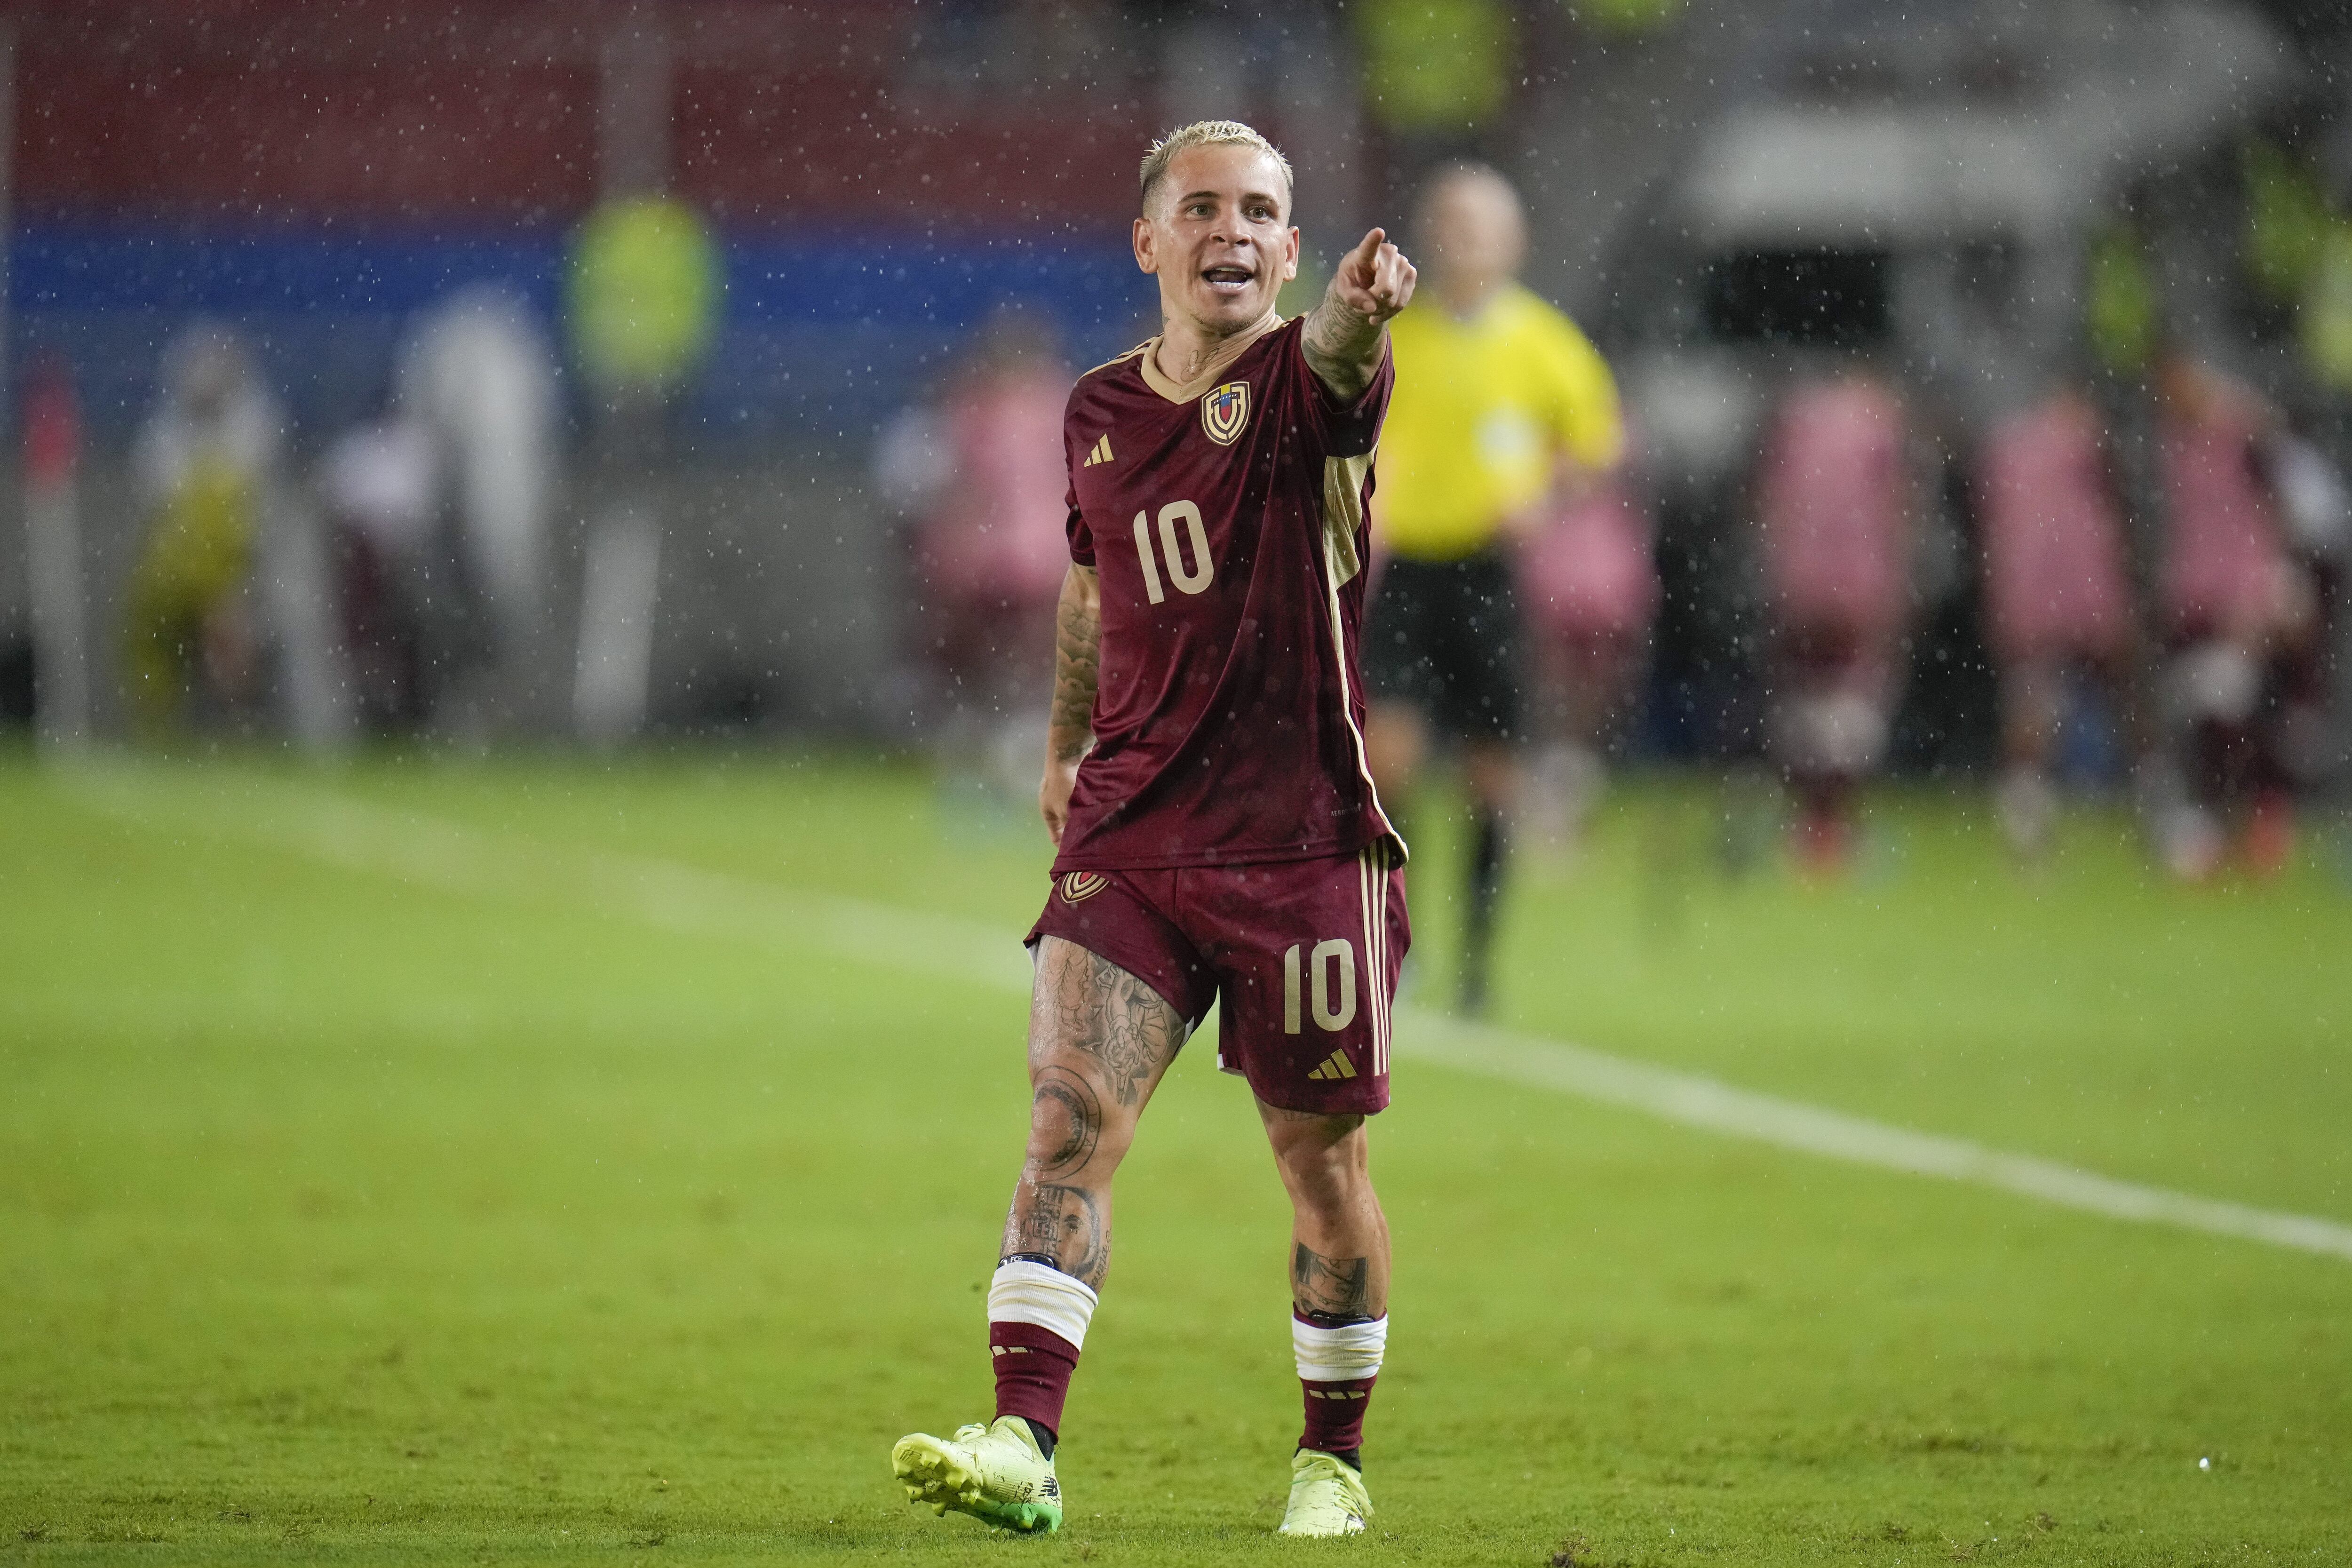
pixel 1206 133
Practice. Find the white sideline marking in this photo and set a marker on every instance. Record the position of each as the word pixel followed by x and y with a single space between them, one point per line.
pixel 444 855
pixel 435 853
pixel 1698 1102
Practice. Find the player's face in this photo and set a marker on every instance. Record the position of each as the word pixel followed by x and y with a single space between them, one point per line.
pixel 1219 238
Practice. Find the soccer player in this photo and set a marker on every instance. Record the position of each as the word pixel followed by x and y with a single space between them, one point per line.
pixel 2057 593
pixel 1836 497
pixel 1591 583
pixel 1220 839
pixel 982 473
pixel 2238 610
pixel 207 464
pixel 1503 411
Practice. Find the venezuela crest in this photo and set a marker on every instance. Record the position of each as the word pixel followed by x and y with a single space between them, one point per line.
pixel 1224 411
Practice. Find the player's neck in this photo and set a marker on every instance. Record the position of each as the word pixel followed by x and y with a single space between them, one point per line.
pixel 1189 347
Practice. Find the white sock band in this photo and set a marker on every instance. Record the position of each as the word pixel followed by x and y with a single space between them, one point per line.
pixel 1026 1292
pixel 1343 1354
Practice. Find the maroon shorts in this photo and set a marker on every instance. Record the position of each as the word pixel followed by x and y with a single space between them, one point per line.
pixel 1302 956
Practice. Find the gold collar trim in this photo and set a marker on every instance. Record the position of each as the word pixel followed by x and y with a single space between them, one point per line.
pixel 1235 347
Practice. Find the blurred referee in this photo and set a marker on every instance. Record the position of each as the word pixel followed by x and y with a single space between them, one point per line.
pixel 1503 411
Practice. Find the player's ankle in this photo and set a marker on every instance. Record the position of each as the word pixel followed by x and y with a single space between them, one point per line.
pixel 1338 1366
pixel 1037 1318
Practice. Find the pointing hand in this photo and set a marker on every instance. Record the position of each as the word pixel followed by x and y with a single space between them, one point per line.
pixel 1374 280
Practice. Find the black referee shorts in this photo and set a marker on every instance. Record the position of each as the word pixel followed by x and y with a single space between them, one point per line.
pixel 1444 637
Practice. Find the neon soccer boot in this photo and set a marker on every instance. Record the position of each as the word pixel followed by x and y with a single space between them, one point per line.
pixel 1327 1496
pixel 994 1473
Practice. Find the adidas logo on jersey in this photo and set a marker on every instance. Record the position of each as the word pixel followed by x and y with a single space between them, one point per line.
pixel 1100 453
pixel 1335 1066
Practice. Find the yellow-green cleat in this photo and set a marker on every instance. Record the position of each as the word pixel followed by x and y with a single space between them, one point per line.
pixel 994 1473
pixel 1327 1496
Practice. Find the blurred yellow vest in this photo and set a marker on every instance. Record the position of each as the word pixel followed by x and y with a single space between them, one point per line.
pixel 1482 414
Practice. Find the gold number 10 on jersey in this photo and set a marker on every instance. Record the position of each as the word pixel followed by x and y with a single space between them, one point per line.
pixel 1203 570
pixel 1332 967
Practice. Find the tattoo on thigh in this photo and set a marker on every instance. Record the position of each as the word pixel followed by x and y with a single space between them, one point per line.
pixel 1065 1224
pixel 1070 1098
pixel 1104 1011
pixel 1330 1287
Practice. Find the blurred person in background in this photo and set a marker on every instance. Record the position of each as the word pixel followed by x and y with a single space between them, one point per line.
pixel 476 378
pixel 378 488
pixel 2241 615
pixel 1591 577
pixel 642 302
pixel 1503 412
pixel 981 472
pixel 205 465
pixel 2057 592
pixel 1837 498
pixel 2312 740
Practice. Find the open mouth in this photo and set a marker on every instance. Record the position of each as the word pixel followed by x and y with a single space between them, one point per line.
pixel 1228 279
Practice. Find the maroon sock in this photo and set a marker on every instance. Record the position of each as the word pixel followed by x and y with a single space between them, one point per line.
pixel 1335 1416
pixel 1032 1373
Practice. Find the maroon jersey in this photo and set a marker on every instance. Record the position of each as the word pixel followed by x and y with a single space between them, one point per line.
pixel 1226 519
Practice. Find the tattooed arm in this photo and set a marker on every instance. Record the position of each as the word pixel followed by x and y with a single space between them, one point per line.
pixel 1077 659
pixel 1348 331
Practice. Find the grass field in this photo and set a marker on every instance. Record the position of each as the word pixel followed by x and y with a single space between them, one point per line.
pixel 533 1161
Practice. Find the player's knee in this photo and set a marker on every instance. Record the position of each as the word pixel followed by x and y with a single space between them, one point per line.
pixel 1072 1124
pixel 1323 1159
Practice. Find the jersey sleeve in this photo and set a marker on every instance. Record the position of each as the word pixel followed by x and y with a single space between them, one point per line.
pixel 1337 429
pixel 1081 535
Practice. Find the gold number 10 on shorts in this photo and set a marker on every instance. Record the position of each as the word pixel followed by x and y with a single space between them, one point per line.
pixel 1202 569
pixel 1332 966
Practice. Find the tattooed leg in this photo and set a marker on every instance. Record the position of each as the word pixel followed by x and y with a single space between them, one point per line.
pixel 1099 1040
pixel 1086 1008
pixel 1335 1288
pixel 1339 1238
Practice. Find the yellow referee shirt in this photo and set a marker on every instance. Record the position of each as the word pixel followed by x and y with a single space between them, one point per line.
pixel 1482 412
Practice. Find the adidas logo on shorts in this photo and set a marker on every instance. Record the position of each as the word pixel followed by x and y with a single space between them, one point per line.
pixel 1335 1066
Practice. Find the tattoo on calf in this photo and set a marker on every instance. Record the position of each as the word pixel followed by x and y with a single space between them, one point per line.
pixel 1063 1095
pixel 1337 1289
pixel 1063 1223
